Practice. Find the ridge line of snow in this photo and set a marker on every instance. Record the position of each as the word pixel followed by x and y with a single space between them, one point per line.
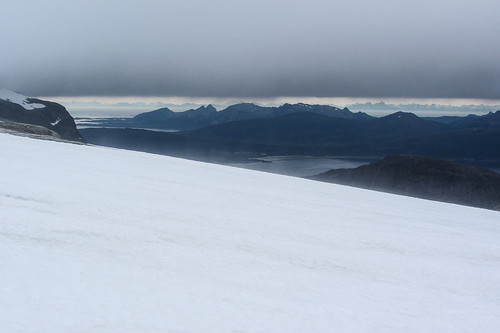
pixel 16 98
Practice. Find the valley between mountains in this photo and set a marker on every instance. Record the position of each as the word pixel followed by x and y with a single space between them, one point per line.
pixel 245 131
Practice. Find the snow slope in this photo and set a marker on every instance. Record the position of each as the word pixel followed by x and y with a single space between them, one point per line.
pixel 95 239
pixel 11 96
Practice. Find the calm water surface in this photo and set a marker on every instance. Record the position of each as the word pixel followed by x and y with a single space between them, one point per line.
pixel 300 166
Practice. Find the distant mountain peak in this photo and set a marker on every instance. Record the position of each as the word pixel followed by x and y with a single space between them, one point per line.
pixel 243 107
pixel 494 114
pixel 158 114
pixel 244 104
pixel 297 105
pixel 489 120
pixel 208 108
pixel 402 115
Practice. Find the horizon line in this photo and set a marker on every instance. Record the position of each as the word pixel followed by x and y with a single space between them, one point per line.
pixel 336 101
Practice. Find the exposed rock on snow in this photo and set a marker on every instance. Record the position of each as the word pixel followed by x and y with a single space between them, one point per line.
pixel 18 108
pixel 20 128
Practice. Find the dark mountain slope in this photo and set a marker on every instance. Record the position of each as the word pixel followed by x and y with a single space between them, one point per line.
pixel 448 119
pixel 480 144
pixel 242 111
pixel 405 123
pixel 162 114
pixel 324 110
pixel 326 135
pixel 166 119
pixel 303 128
pixel 28 130
pixel 424 177
pixel 172 144
pixel 490 120
pixel 52 116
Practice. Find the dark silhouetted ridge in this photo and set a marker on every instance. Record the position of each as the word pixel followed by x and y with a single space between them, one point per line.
pixel 424 177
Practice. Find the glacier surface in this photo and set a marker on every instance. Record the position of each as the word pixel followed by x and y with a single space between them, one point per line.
pixel 96 239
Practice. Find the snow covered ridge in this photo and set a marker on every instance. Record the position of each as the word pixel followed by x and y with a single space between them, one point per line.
pixel 14 97
pixel 15 107
pixel 94 239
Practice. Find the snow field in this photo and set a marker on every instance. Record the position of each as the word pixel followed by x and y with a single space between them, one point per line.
pixel 96 239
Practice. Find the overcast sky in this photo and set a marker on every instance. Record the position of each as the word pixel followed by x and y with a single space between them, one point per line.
pixel 259 48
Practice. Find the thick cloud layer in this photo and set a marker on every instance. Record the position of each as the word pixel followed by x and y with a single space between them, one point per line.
pixel 440 48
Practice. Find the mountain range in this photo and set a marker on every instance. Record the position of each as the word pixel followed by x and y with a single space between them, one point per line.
pixel 205 116
pixel 245 131
pixel 249 130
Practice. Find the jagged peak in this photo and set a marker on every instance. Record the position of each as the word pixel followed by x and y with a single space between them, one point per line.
pixel 493 114
pixel 208 108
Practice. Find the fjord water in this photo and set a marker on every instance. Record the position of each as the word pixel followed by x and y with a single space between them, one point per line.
pixel 300 166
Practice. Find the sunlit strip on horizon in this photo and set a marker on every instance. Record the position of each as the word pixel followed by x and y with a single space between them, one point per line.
pixel 336 101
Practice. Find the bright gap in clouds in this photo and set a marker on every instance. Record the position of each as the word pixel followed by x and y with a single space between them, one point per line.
pixel 124 106
pixel 337 101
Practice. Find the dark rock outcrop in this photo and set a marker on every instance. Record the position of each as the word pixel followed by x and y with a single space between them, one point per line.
pixel 28 129
pixel 424 177
pixel 50 115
